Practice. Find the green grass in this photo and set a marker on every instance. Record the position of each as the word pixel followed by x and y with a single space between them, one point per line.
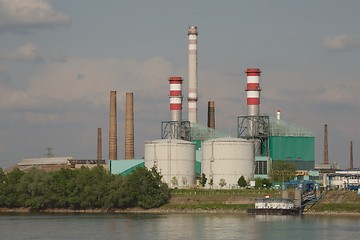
pixel 337 207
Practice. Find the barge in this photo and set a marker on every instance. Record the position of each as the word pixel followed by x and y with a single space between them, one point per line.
pixel 274 206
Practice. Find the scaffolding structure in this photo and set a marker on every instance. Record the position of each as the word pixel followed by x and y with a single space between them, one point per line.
pixel 176 130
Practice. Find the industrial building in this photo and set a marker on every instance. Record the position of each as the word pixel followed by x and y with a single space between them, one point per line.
pixel 57 163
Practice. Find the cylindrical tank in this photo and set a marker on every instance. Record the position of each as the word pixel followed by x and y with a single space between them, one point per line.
pixel 174 159
pixel 225 160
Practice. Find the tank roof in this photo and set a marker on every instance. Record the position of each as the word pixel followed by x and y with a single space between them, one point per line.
pixel 228 139
pixel 169 140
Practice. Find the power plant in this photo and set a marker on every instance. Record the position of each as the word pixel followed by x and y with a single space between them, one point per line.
pixel 188 150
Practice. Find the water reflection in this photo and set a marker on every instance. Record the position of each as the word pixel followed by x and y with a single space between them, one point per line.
pixel 176 226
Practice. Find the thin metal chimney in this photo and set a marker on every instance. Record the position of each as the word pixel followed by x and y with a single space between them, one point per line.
pixel 351 155
pixel 113 127
pixel 99 144
pixel 129 126
pixel 278 115
pixel 211 114
pixel 326 147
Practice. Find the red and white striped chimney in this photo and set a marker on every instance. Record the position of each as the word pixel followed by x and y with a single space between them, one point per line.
pixel 175 98
pixel 253 98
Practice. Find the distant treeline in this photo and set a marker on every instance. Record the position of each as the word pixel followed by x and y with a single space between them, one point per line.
pixel 82 189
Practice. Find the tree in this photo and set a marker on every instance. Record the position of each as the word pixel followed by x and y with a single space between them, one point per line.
pixel 282 171
pixel 146 188
pixel 203 179
pixel 174 181
pixel 211 182
pixel 184 181
pixel 262 183
pixel 242 182
pixel 222 182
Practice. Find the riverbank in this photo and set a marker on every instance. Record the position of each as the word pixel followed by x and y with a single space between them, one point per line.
pixel 333 203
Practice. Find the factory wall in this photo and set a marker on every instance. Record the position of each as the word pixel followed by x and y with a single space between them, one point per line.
pixel 297 150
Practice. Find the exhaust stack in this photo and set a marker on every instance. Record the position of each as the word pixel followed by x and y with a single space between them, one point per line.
pixel 192 99
pixel 211 114
pixel 326 147
pixel 253 100
pixel 351 155
pixel 175 99
pixel 278 115
pixel 113 127
pixel 129 126
pixel 99 144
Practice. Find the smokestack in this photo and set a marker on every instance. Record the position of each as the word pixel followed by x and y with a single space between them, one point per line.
pixel 326 147
pixel 278 115
pixel 113 127
pixel 99 144
pixel 253 99
pixel 192 99
pixel 211 114
pixel 351 155
pixel 175 98
pixel 129 126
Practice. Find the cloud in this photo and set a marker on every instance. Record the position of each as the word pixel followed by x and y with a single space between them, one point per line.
pixel 338 95
pixel 21 15
pixel 342 41
pixel 30 52
pixel 26 52
pixel 80 81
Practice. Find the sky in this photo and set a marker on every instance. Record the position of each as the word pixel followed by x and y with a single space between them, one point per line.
pixel 59 60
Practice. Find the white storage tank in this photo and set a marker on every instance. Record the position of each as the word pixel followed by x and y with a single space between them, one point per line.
pixel 225 160
pixel 174 159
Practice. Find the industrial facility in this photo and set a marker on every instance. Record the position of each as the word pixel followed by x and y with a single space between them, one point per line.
pixel 187 150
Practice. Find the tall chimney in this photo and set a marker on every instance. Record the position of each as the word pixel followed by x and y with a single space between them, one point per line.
pixel 129 128
pixel 99 144
pixel 326 147
pixel 113 127
pixel 175 98
pixel 253 99
pixel 211 114
pixel 351 155
pixel 192 99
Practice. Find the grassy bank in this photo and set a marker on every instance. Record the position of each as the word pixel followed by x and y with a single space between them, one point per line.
pixel 225 201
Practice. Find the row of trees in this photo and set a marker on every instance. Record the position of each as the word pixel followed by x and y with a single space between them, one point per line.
pixel 82 189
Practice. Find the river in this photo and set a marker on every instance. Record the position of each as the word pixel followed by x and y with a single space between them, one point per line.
pixel 176 226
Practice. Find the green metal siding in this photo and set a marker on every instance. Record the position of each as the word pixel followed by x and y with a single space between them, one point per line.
pixel 125 167
pixel 197 144
pixel 288 148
